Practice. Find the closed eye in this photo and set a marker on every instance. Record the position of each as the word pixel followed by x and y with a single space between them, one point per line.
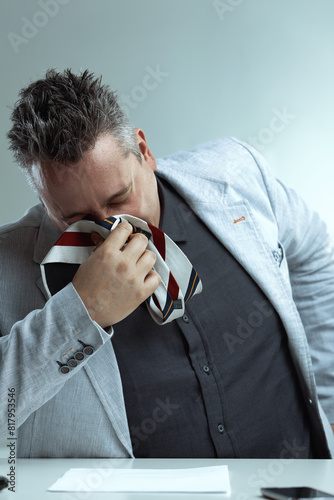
pixel 120 200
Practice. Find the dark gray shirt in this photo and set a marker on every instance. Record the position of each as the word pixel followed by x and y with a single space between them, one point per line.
pixel 220 381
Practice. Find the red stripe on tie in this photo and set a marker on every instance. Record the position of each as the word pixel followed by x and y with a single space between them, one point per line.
pixel 158 240
pixel 72 239
pixel 155 300
pixel 173 287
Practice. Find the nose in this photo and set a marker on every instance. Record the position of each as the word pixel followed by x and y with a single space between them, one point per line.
pixel 97 216
pixel 104 213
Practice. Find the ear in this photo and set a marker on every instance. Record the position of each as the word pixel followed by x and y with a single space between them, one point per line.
pixel 147 156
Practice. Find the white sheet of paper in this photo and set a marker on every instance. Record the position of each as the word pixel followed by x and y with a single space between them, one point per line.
pixel 198 479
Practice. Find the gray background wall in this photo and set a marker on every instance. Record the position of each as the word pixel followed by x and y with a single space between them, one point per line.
pixel 189 71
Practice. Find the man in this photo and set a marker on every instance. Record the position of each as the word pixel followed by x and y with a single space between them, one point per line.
pixel 232 377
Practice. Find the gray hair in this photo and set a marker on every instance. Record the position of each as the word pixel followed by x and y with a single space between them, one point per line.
pixel 59 117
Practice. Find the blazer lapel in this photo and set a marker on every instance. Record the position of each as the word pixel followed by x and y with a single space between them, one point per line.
pixel 237 230
pixel 232 221
pixel 47 237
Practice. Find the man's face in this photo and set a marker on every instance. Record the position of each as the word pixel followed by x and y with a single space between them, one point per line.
pixel 102 184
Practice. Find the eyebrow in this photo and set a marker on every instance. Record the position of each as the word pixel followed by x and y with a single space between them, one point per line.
pixel 119 193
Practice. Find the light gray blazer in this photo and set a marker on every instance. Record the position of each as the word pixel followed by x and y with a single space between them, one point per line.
pixel 82 414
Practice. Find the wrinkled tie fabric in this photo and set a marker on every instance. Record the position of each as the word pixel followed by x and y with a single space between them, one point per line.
pixel 179 280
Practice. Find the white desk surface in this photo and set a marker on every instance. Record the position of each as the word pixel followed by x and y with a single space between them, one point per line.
pixel 247 476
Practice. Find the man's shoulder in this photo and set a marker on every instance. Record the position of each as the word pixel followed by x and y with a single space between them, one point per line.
pixel 17 236
pixel 32 218
pixel 225 155
pixel 26 240
pixel 222 162
pixel 215 146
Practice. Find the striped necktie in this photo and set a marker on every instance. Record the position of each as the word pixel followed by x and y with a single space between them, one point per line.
pixel 179 280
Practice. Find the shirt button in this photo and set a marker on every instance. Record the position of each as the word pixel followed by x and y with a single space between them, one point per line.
pixel 185 318
pixel 206 369
pixel 310 401
pixel 221 428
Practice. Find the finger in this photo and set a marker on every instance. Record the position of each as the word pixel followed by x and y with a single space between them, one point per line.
pixel 152 281
pixel 146 262
pixel 119 236
pixel 136 246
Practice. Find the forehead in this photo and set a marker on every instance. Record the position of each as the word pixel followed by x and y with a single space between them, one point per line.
pixel 104 159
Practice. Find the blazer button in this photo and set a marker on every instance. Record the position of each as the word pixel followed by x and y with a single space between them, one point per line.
pixel 64 369
pixel 79 356
pixel 88 350
pixel 72 363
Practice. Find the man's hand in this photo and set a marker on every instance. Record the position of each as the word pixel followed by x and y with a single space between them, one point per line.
pixel 332 425
pixel 115 279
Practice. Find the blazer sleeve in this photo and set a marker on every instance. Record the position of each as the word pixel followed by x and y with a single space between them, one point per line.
pixel 309 253
pixel 29 372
